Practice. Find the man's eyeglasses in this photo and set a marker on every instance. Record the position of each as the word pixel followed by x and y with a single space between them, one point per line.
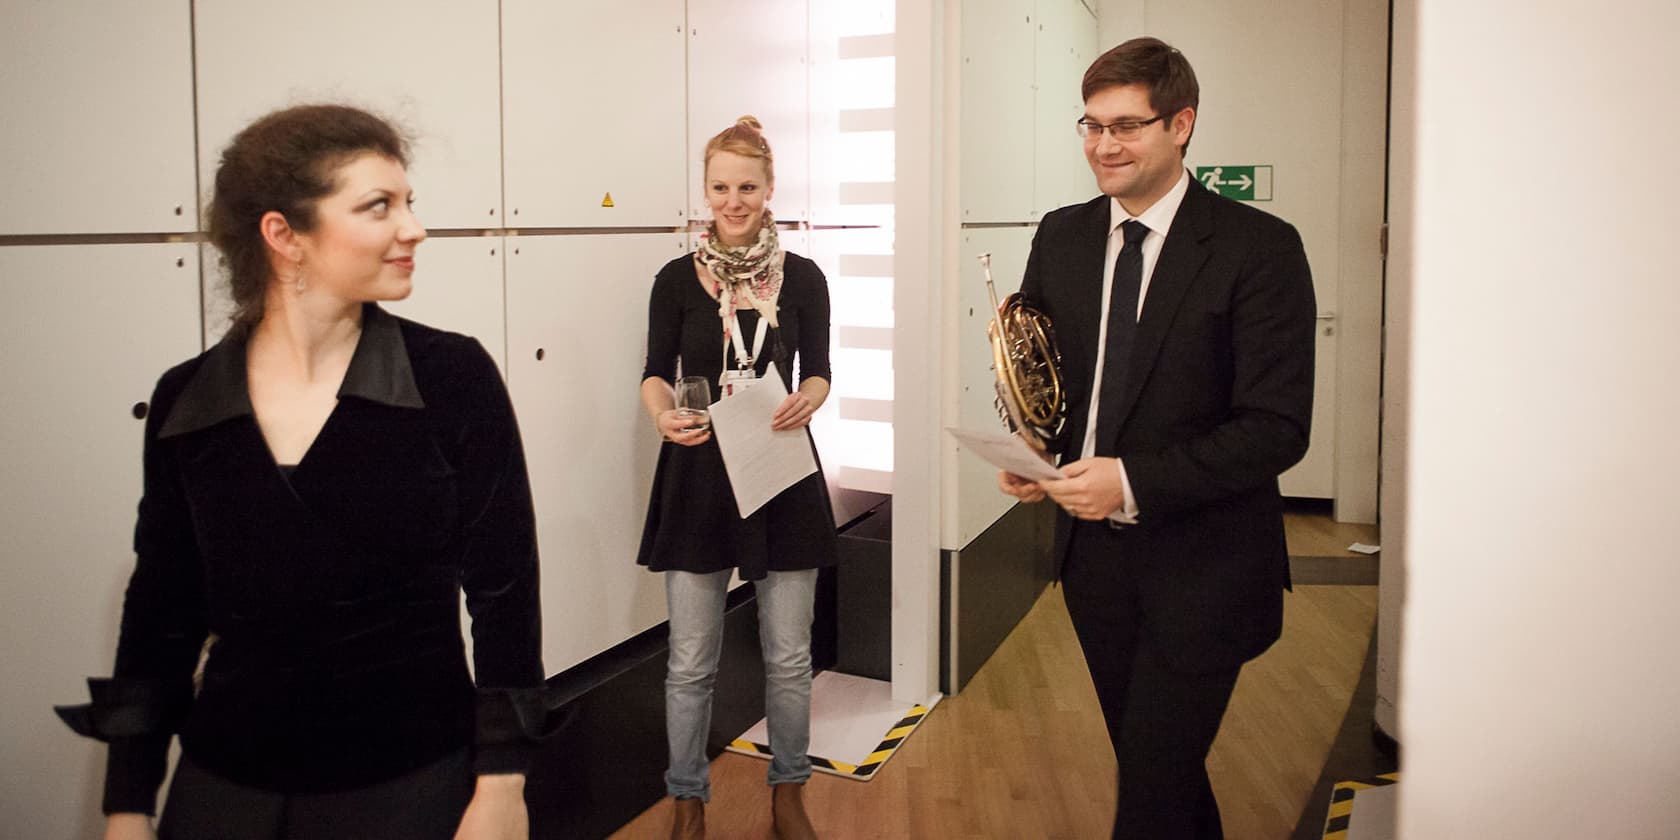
pixel 1120 130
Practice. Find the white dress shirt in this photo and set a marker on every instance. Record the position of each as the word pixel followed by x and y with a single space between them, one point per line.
pixel 1158 218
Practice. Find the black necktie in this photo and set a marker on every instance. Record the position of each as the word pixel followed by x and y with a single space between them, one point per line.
pixel 1122 324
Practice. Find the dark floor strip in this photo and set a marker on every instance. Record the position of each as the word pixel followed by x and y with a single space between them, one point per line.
pixel 1333 571
pixel 1355 755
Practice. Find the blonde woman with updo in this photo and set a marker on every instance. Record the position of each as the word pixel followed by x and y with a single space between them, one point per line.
pixel 726 312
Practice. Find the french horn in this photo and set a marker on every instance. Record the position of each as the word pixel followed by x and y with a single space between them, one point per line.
pixel 1030 398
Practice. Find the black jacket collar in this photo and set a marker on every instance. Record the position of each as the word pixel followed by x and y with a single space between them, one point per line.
pixel 379 372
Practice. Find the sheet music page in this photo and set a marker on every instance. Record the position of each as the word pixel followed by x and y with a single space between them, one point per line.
pixel 760 463
pixel 1007 452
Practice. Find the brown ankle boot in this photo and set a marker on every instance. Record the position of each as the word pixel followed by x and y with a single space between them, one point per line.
pixel 788 820
pixel 688 820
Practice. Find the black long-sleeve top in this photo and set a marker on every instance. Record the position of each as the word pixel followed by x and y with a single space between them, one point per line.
pixel 683 323
pixel 331 590
pixel 693 524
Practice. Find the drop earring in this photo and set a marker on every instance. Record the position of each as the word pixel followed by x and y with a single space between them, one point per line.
pixel 297 276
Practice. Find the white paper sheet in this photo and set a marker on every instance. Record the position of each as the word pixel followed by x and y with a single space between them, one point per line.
pixel 760 462
pixel 1007 452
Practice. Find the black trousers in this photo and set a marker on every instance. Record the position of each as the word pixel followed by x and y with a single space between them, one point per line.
pixel 1161 721
pixel 422 805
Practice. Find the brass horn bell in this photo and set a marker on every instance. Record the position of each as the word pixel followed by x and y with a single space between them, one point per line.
pixel 1030 398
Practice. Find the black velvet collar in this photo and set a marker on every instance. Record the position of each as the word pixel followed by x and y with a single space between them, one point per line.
pixel 379 371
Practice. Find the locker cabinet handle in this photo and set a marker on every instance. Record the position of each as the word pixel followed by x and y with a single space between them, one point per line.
pixel 140 410
pixel 539 354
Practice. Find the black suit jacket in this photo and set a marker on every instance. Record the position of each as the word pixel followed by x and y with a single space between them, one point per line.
pixel 1217 403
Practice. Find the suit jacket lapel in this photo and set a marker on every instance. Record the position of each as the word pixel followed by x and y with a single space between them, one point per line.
pixel 1089 250
pixel 1181 258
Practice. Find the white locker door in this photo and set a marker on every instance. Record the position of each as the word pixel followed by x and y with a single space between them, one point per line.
pixel 435 70
pixel 1066 44
pixel 979 503
pixel 458 286
pixel 751 58
pixel 98 128
pixel 998 130
pixel 593 130
pixel 577 333
pixel 1273 79
pixel 89 328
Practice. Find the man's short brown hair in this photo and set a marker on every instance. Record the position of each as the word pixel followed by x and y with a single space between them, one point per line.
pixel 1150 62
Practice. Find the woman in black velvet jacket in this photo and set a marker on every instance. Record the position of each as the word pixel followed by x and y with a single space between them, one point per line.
pixel 319 488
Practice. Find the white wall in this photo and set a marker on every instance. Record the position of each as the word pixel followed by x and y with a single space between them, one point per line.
pixel 1397 365
pixel 1016 77
pixel 924 224
pixel 1540 673
pixel 1299 85
pixel 255 57
pixel 556 138
pixel 1358 322
pixel 78 169
pixel 80 358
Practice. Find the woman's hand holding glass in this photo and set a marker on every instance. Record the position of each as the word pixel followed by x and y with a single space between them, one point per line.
pixel 690 423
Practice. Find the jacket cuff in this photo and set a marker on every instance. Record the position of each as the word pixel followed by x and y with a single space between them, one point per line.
pixel 134 771
pixel 512 723
pixel 124 708
pixel 136 717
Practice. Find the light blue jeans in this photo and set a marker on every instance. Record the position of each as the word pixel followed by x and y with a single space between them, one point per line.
pixel 696 603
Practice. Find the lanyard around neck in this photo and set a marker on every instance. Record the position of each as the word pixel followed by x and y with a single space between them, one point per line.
pixel 743 358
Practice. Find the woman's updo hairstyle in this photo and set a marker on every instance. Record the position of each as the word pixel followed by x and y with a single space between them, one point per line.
pixel 744 138
pixel 285 162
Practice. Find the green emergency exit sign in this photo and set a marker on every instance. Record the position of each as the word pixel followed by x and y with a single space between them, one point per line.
pixel 1243 183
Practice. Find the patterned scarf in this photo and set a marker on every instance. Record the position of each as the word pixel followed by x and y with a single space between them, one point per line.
pixel 753 271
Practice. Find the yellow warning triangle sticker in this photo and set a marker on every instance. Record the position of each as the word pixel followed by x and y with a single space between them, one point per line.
pixel 606 200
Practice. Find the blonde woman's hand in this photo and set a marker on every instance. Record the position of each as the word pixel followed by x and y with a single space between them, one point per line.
pixel 795 412
pixel 678 428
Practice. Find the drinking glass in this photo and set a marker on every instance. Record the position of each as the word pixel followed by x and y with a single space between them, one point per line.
pixel 694 400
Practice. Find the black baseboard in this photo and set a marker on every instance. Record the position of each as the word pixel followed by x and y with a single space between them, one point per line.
pixel 1385 743
pixel 1334 571
pixel 988 586
pixel 1000 575
pixel 608 765
pixel 863 596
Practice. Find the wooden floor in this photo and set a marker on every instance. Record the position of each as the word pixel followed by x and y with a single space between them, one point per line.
pixel 1314 534
pixel 1022 752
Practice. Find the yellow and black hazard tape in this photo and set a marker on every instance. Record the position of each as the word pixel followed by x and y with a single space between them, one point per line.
pixel 1341 804
pixel 873 762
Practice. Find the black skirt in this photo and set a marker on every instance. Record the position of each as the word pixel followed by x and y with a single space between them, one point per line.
pixel 693 524
pixel 425 804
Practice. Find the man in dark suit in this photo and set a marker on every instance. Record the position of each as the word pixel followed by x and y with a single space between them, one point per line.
pixel 1186 328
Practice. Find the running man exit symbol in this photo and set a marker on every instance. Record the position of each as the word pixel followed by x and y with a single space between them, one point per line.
pixel 1243 183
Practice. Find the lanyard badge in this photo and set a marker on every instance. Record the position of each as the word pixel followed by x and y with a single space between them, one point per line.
pixel 743 374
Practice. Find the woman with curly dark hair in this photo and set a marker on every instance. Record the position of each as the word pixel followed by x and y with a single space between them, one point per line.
pixel 320 487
